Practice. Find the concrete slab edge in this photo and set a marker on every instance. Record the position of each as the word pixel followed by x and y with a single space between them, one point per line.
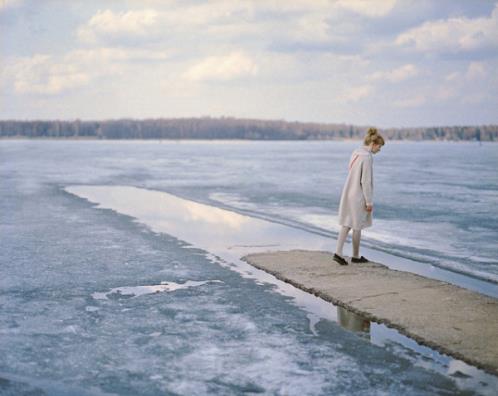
pixel 421 340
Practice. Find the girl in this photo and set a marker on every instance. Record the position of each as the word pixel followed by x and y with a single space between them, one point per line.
pixel 356 206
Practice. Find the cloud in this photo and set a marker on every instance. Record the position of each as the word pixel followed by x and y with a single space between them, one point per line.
pixel 110 25
pixel 44 74
pixel 355 94
pixel 369 8
pixel 300 23
pixel 474 86
pixel 311 28
pixel 162 22
pixel 39 74
pixel 222 68
pixel 469 84
pixel 6 4
pixel 107 55
pixel 476 71
pixel 453 35
pixel 396 75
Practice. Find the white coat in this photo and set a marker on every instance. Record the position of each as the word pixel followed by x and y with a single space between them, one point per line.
pixel 357 191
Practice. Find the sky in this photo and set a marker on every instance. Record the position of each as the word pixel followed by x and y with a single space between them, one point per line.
pixel 388 63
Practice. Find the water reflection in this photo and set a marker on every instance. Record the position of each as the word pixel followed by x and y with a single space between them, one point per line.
pixel 352 321
pixel 208 227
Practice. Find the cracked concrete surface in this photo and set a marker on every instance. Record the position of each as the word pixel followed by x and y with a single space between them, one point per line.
pixel 448 318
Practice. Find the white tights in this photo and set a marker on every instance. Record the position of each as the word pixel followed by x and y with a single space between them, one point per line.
pixel 343 234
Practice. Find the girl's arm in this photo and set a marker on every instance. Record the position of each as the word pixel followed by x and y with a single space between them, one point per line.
pixel 366 180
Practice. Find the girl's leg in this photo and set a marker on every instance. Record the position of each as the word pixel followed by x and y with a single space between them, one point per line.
pixel 356 243
pixel 343 234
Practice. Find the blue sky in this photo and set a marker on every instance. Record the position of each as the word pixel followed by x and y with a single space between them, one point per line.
pixel 366 62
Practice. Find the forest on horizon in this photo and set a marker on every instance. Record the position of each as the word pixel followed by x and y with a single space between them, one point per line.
pixel 230 128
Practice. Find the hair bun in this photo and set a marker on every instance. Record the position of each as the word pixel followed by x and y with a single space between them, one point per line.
pixel 373 136
pixel 372 132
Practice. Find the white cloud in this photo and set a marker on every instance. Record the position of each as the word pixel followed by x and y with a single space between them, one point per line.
pixel 108 24
pixel 311 28
pixel 453 35
pixel 164 21
pixel 403 73
pixel 469 85
pixel 396 75
pixel 266 22
pixel 369 8
pixel 5 4
pixel 39 74
pixel 44 74
pixel 115 55
pixel 354 94
pixel 222 68
pixel 476 71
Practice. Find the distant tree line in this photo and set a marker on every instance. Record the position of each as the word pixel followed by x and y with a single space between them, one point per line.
pixel 230 128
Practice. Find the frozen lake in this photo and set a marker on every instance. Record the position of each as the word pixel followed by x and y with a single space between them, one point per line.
pixel 115 294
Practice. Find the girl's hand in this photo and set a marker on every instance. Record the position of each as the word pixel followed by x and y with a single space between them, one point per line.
pixel 369 208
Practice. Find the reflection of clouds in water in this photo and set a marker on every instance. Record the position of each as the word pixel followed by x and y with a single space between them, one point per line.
pixel 153 205
pixel 204 226
pixel 469 377
pixel 465 375
pixel 214 215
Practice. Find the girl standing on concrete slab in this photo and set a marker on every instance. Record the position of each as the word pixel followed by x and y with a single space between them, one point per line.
pixel 356 206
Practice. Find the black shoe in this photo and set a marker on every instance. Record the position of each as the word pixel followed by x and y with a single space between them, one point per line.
pixel 340 259
pixel 359 260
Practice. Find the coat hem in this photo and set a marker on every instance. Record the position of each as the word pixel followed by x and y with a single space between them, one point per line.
pixel 356 228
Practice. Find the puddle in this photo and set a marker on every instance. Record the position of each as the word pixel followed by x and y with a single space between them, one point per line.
pixel 137 291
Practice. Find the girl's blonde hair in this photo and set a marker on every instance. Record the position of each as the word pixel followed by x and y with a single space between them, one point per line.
pixel 373 136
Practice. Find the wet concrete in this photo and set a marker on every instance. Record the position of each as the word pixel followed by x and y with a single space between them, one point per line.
pixel 453 320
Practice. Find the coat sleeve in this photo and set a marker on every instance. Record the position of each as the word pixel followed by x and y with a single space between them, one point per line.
pixel 367 179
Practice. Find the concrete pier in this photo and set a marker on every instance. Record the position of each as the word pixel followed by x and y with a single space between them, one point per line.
pixel 448 318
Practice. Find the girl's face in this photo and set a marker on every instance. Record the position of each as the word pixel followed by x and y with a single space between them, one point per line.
pixel 376 148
